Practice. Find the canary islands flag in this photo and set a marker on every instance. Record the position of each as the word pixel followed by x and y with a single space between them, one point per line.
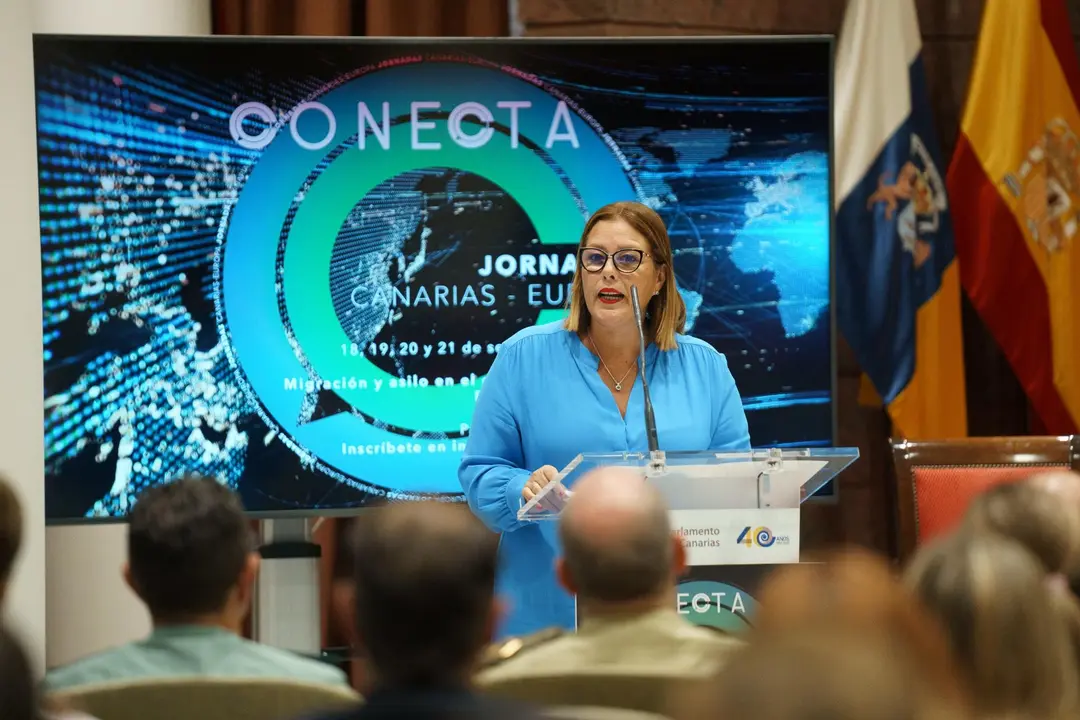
pixel 897 284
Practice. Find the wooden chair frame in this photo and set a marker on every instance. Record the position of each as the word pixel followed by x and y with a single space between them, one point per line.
pixel 1062 451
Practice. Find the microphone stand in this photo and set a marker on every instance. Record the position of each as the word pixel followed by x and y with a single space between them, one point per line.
pixel 657 460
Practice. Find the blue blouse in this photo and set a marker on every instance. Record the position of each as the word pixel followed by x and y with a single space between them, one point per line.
pixel 543 403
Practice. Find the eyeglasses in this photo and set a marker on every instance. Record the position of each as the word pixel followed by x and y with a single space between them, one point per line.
pixel 625 261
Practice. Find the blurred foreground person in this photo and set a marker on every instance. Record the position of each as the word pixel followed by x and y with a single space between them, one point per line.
pixel 822 674
pixel 1034 515
pixel 11 529
pixel 621 559
pixel 192 561
pixel 1012 645
pixel 18 687
pixel 1064 486
pixel 854 591
pixel 425 609
pixel 1042 516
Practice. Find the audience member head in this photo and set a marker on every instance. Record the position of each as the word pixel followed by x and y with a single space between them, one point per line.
pixel 856 591
pixel 1038 516
pixel 619 550
pixel 425 593
pixel 1026 513
pixel 1064 486
pixel 191 554
pixel 11 530
pixel 990 594
pixel 812 673
pixel 18 690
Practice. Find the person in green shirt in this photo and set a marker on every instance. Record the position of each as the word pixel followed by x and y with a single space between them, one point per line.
pixel 192 560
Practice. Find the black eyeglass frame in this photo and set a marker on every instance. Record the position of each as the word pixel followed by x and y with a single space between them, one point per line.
pixel 642 254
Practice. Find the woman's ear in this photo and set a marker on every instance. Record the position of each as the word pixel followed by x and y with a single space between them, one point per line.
pixel 661 277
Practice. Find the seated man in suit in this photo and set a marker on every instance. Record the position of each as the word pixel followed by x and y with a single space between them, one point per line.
pixel 192 560
pixel 622 560
pixel 425 608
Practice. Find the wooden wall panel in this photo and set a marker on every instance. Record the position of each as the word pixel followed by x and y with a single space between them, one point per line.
pixel 537 13
pixel 697 16
pixel 436 18
pixel 946 19
pixel 614 29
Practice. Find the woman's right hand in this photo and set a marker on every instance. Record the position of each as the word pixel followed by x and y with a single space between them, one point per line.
pixel 536 482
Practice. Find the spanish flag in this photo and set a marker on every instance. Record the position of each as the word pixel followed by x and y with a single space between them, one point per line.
pixel 1014 182
pixel 897 283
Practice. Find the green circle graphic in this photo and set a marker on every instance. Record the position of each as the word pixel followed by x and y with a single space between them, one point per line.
pixel 309 248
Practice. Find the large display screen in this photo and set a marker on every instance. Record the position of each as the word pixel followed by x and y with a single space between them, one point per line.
pixel 290 264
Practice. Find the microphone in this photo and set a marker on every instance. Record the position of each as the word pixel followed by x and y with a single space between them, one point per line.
pixel 650 418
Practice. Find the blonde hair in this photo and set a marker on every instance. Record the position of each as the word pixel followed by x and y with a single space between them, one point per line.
pixel 665 313
pixel 1028 514
pixel 1005 629
pixel 1063 486
pixel 1037 519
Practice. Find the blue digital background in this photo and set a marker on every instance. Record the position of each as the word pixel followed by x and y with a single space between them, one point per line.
pixel 138 172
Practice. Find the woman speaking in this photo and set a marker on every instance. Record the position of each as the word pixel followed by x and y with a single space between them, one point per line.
pixel 564 388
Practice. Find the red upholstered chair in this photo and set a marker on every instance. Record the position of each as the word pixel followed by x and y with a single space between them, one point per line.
pixel 936 480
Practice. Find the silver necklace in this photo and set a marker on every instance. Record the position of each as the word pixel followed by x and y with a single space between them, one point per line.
pixel 619 382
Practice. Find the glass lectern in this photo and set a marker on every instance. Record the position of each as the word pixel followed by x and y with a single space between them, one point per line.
pixel 737 512
pixel 704 480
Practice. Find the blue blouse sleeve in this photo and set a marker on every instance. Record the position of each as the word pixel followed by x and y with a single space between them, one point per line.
pixel 491 472
pixel 730 431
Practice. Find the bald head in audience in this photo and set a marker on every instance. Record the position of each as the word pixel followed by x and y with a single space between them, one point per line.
pixel 618 545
